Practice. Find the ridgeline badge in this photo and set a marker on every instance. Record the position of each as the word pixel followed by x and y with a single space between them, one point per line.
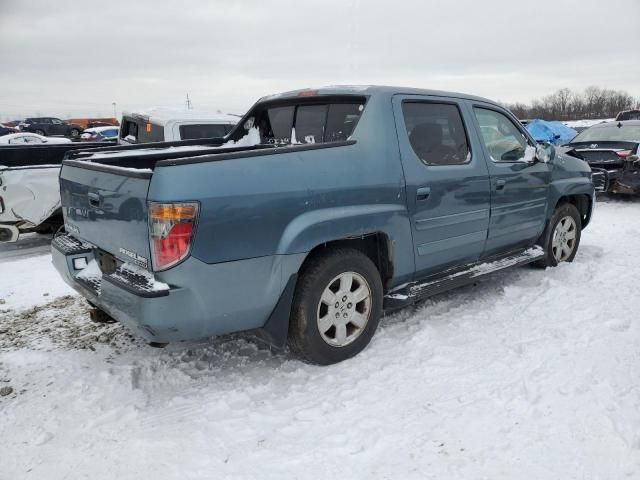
pixel 138 259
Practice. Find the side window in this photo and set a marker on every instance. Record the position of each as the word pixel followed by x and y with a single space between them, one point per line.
pixel 205 130
pixel 56 121
pixel 436 133
pixel 503 140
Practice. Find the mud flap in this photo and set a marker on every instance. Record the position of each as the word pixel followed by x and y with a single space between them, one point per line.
pixel 276 329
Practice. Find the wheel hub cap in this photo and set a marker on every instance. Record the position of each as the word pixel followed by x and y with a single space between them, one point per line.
pixel 344 309
pixel 564 238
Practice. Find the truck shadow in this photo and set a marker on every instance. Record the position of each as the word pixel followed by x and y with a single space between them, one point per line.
pixel 27 245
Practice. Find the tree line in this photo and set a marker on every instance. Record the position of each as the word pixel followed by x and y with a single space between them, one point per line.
pixel 565 104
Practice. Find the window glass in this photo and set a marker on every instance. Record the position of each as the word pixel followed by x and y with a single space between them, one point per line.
pixel 204 131
pixel 56 121
pixel 313 123
pixel 341 120
pixel 436 133
pixel 150 132
pixel 310 123
pixel 140 131
pixel 281 123
pixel 503 140
pixel 610 132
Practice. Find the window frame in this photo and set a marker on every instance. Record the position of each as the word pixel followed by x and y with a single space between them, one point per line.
pixel 464 126
pixel 530 141
pixel 329 99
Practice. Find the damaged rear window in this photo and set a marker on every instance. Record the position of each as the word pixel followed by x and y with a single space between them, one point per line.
pixel 611 132
pixel 309 122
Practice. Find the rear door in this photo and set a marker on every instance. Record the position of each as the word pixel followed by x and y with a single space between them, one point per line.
pixel 447 182
pixel 44 124
pixel 108 208
pixel 519 188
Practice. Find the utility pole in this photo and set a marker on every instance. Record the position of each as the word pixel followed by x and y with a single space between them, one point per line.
pixel 188 103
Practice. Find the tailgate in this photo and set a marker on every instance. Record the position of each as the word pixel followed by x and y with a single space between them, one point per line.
pixel 107 207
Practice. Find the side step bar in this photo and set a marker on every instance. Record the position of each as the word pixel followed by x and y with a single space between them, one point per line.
pixel 409 293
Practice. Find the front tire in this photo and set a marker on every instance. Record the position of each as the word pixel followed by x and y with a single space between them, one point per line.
pixel 40 132
pixel 336 307
pixel 561 238
pixel 74 132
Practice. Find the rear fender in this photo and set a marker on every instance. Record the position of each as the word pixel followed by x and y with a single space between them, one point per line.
pixel 317 227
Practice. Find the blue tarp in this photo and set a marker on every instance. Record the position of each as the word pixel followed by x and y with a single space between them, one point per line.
pixel 554 132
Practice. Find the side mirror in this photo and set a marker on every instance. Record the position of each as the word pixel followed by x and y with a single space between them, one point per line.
pixel 545 152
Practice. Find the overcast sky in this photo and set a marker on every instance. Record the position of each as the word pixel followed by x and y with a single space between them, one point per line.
pixel 76 58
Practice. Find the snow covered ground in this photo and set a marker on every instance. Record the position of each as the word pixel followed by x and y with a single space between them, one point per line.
pixel 527 375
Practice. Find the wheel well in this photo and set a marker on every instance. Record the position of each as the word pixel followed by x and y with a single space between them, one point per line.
pixel 377 246
pixel 582 203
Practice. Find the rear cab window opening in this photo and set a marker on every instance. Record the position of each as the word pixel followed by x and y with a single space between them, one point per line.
pixel 300 121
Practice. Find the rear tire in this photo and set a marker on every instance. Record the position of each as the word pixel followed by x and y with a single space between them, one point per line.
pixel 40 132
pixel 561 238
pixel 336 307
pixel 74 133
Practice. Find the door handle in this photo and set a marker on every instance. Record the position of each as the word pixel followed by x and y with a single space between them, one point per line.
pixel 500 184
pixel 94 199
pixel 422 193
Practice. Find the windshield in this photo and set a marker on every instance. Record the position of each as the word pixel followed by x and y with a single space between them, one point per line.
pixel 610 133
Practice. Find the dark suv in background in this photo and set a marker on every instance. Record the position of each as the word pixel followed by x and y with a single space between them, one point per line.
pixel 49 126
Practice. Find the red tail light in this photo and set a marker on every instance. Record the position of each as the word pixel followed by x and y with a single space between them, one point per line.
pixel 171 227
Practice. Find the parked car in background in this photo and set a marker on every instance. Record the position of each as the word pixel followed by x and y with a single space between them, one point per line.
pixel 4 130
pixel 91 122
pixel 100 134
pixel 50 126
pixel 628 115
pixel 27 137
pixel 613 148
pixel 320 210
pixel 166 125
pixel 29 189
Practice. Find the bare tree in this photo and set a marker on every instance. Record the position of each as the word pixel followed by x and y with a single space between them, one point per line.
pixel 564 104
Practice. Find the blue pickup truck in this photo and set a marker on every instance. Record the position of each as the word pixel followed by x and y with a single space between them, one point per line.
pixel 319 212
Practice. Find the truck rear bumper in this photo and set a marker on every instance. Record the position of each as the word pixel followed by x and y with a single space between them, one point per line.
pixel 199 300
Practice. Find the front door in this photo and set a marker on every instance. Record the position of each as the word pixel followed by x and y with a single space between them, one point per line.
pixel 57 127
pixel 519 183
pixel 447 182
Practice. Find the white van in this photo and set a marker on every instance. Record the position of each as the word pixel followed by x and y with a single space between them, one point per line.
pixel 166 125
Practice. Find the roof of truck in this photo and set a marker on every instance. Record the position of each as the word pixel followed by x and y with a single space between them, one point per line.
pixel 162 116
pixel 372 89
